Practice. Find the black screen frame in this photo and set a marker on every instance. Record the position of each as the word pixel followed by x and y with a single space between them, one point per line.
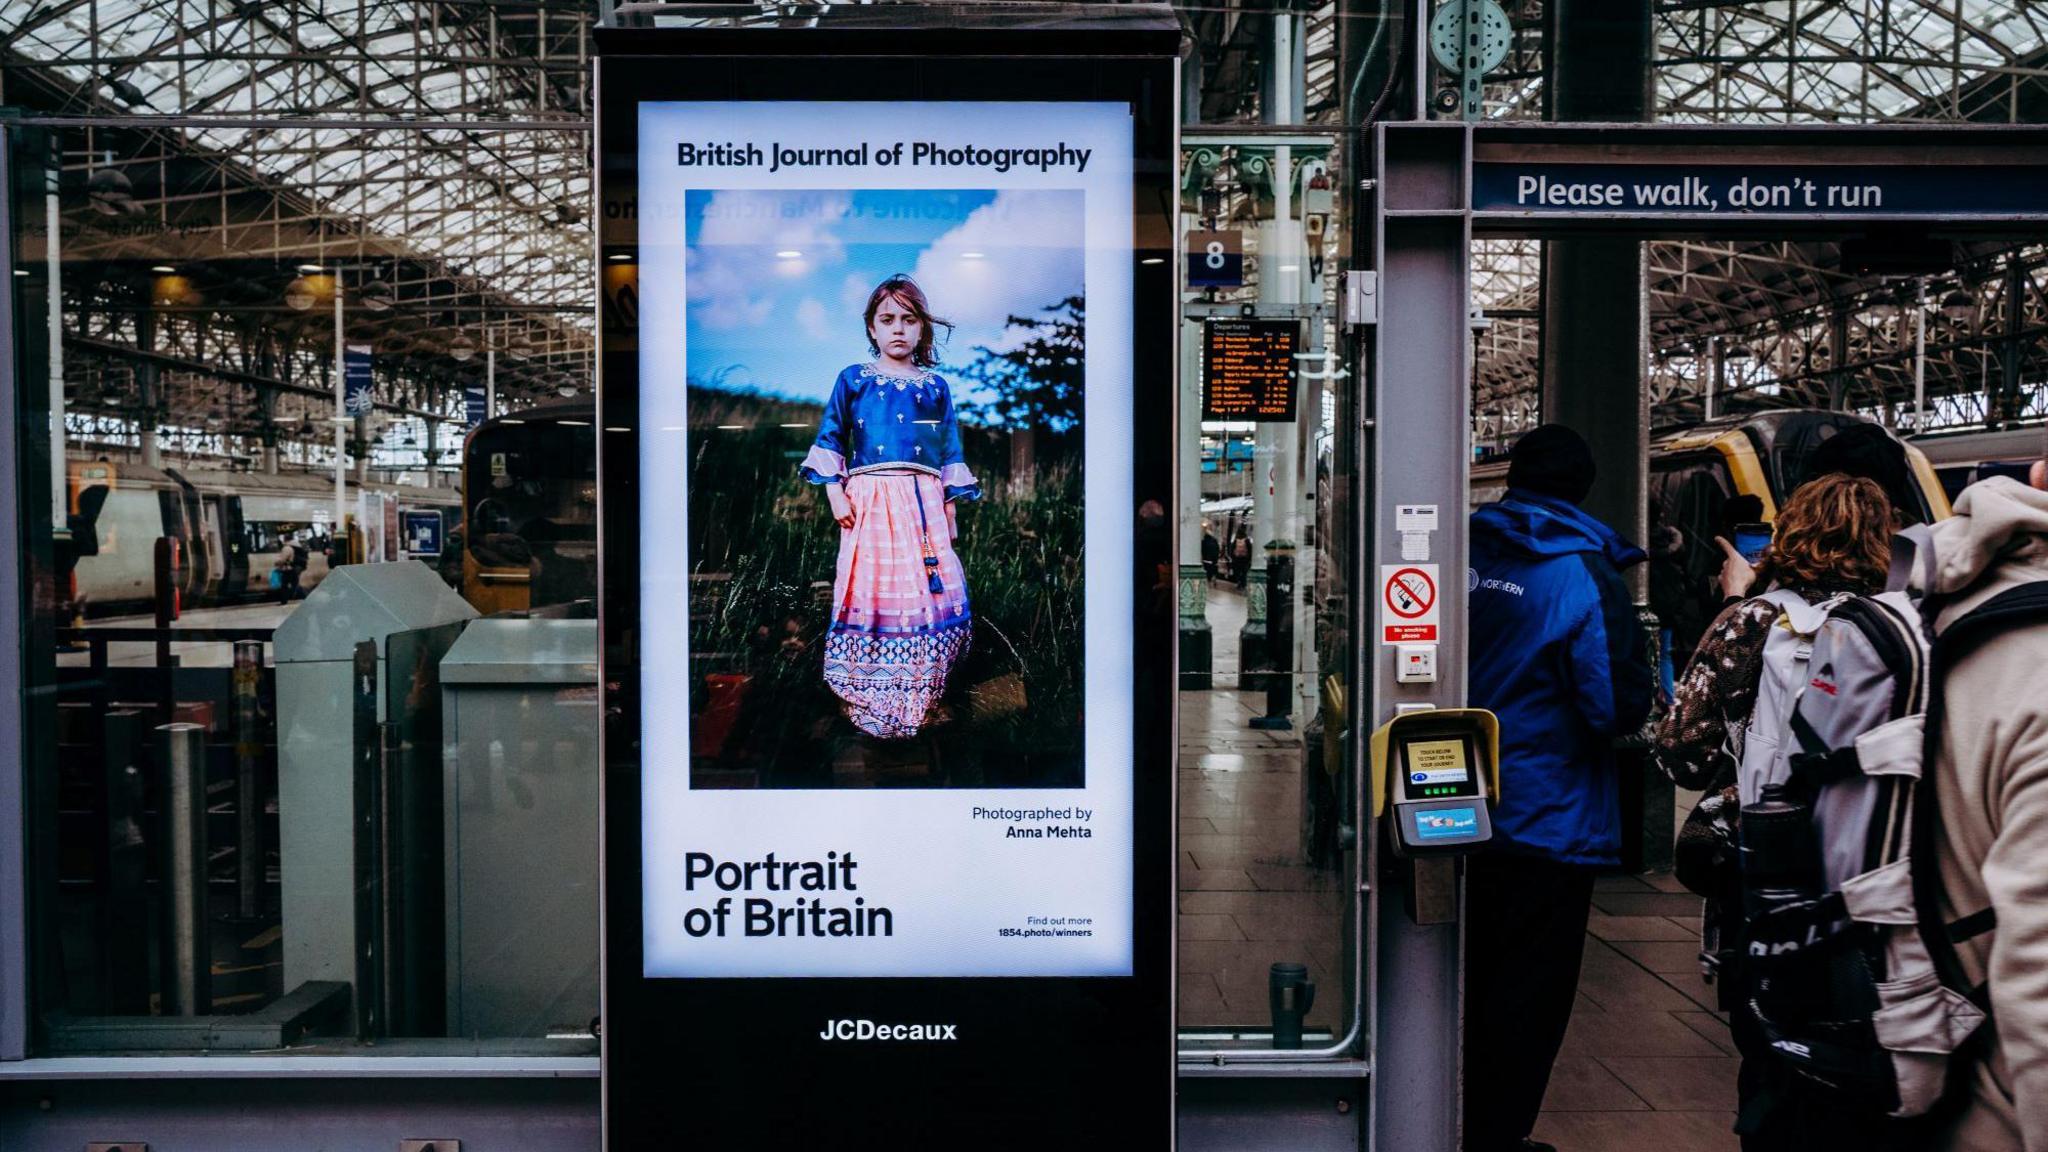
pixel 737 1063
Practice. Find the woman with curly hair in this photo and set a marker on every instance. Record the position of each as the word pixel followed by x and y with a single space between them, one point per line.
pixel 1832 539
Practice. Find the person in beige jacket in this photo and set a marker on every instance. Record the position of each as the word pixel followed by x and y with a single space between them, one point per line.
pixel 1992 840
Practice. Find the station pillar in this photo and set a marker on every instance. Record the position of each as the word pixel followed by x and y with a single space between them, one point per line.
pixel 1595 338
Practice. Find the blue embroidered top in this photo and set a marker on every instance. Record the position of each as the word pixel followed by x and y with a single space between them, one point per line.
pixel 877 422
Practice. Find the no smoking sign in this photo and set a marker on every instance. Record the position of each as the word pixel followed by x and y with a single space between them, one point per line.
pixel 1409 604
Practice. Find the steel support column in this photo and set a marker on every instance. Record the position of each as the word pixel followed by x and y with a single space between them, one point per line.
pixel 1420 405
pixel 1595 338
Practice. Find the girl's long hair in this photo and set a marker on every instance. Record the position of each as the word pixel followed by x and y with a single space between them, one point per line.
pixel 906 291
pixel 1835 532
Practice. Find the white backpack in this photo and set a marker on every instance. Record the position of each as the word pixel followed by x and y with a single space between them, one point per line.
pixel 1842 981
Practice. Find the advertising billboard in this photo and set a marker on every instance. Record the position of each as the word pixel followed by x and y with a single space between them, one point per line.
pixel 888 591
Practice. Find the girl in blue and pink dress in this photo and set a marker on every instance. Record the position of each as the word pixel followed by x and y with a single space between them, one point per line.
pixel 888 455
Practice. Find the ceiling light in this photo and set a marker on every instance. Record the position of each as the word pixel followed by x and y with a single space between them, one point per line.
pixel 377 296
pixel 1153 260
pixel 566 390
pixel 620 257
pixel 576 423
pixel 510 420
pixel 519 347
pixel 299 294
pixel 789 254
pixel 163 270
pixel 312 269
pixel 461 348
pixel 618 429
pixel 971 255
pixel 732 427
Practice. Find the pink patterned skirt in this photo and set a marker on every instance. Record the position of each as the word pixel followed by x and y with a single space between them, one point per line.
pixel 893 640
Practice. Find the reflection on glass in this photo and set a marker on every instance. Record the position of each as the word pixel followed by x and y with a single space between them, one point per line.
pixel 288 791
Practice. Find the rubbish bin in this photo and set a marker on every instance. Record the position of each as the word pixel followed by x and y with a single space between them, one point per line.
pixel 317 787
pixel 520 723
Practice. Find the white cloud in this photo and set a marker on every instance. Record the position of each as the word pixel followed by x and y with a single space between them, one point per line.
pixel 812 320
pixel 732 264
pixel 1031 246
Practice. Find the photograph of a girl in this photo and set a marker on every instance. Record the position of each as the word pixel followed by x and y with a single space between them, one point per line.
pixel 888 455
pixel 884 400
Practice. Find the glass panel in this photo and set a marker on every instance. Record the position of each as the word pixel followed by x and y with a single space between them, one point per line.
pixel 243 839
pixel 1267 821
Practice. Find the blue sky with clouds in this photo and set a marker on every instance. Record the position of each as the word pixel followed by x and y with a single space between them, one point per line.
pixel 777 279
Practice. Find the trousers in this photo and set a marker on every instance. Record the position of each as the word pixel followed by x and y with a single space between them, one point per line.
pixel 1525 939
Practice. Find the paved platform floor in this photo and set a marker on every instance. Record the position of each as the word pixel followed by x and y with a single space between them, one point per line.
pixel 1247 900
pixel 1647 1063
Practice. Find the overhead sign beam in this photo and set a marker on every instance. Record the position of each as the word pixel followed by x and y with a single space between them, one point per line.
pixel 1670 179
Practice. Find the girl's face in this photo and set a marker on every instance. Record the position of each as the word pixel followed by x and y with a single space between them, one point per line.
pixel 895 329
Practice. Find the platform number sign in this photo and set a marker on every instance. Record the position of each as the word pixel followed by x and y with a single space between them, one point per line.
pixel 1215 259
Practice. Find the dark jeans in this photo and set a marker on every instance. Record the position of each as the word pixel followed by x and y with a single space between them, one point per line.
pixel 1525 936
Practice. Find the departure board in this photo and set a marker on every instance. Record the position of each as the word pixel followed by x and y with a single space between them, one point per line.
pixel 1248 370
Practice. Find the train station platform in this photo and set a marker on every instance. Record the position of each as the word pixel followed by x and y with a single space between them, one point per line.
pixel 1647 1062
pixel 1247 899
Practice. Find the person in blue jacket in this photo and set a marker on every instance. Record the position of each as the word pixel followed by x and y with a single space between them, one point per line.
pixel 1557 654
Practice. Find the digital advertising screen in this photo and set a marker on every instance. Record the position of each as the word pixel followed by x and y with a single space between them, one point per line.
pixel 891 698
pixel 889 587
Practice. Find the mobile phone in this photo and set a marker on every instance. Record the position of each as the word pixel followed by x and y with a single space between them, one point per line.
pixel 1751 540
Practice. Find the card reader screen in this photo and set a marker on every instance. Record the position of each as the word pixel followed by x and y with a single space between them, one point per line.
pixel 1439 762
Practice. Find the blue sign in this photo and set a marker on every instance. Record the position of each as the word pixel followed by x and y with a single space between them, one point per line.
pixel 355 380
pixel 1215 259
pixel 422 533
pixel 475 404
pixel 1543 188
pixel 1446 823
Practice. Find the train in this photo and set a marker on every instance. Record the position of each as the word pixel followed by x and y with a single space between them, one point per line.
pixel 1960 459
pixel 1694 471
pixel 230 528
pixel 529 508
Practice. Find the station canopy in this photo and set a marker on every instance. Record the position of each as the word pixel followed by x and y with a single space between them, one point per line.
pixel 444 148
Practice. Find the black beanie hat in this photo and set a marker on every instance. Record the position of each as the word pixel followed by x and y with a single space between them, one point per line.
pixel 1868 452
pixel 1552 460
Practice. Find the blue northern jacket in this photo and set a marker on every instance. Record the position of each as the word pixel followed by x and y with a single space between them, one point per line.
pixel 1558 656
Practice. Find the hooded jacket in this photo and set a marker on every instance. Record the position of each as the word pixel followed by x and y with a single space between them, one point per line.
pixel 1557 654
pixel 1991 843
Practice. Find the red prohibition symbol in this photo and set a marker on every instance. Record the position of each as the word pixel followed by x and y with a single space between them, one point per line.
pixel 1410 593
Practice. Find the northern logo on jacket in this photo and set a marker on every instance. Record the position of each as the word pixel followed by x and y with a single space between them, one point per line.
pixel 1473 584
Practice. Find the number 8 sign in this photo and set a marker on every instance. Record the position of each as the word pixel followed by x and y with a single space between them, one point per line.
pixel 1215 259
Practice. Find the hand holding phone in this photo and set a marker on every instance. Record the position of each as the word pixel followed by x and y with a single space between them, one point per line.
pixel 1737 574
pixel 1752 540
